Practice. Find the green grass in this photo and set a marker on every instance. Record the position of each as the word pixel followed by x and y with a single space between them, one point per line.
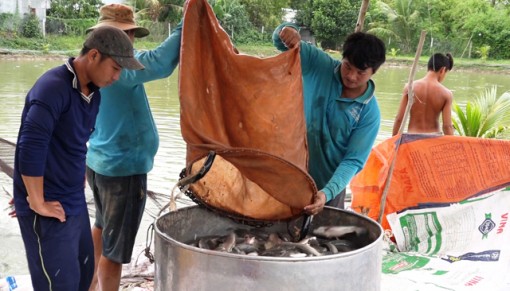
pixel 52 45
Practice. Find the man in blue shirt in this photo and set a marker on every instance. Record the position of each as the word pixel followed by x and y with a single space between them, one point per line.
pixel 341 111
pixel 49 168
pixel 122 148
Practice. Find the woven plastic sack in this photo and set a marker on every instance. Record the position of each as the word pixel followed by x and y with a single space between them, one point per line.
pixel 249 111
pixel 429 170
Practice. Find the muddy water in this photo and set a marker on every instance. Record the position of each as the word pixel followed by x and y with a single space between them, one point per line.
pixel 17 76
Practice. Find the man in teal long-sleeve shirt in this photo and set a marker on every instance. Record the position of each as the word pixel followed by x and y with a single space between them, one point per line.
pixel 341 111
pixel 122 149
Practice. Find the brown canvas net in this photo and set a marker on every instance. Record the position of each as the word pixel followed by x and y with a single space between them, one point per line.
pixel 250 112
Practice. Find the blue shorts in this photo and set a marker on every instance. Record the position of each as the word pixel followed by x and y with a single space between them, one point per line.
pixel 60 254
pixel 120 203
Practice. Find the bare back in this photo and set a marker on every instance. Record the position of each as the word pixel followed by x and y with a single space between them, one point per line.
pixel 431 99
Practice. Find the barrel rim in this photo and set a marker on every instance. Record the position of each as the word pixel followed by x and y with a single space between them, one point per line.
pixel 375 244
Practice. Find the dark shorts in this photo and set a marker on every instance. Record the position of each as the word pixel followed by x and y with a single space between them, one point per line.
pixel 120 203
pixel 338 201
pixel 60 254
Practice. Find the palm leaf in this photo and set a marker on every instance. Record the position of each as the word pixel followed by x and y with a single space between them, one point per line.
pixel 485 116
pixel 473 116
pixel 459 119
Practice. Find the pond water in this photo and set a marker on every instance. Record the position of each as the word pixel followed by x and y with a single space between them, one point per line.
pixel 17 77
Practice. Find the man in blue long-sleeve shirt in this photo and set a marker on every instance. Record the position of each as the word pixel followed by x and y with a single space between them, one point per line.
pixel 122 148
pixel 49 169
pixel 341 111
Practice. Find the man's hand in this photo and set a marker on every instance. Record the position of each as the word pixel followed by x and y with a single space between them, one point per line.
pixel 318 204
pixel 48 209
pixel 12 213
pixel 290 37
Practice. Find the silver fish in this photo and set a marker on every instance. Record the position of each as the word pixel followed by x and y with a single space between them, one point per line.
pixel 303 247
pixel 228 244
pixel 331 247
pixel 338 231
pixel 343 245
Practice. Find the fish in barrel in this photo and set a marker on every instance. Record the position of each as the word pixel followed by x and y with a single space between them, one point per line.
pixel 326 240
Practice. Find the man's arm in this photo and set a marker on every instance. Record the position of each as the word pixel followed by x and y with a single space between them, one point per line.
pixel 401 111
pixel 160 62
pixel 447 116
pixel 359 147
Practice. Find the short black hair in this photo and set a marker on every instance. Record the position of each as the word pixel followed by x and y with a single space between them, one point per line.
pixel 85 50
pixel 437 61
pixel 364 51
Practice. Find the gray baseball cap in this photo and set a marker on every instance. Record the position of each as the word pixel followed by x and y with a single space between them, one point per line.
pixel 115 43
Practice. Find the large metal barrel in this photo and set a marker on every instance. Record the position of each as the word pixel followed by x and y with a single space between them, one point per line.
pixel 179 266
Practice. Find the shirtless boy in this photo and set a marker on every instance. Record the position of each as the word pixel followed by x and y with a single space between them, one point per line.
pixel 431 98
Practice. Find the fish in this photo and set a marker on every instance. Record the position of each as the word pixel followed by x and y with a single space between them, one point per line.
pixel 343 245
pixel 208 243
pixel 339 231
pixel 228 244
pixel 303 247
pixel 331 247
pixel 273 240
pixel 246 248
pixel 259 242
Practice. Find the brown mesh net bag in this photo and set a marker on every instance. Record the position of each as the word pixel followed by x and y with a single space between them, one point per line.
pixel 249 111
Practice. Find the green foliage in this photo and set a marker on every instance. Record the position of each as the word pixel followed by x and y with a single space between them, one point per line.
pixel 30 27
pixel 64 26
pixel 10 22
pixel 484 117
pixel 169 11
pixel 482 23
pixel 234 19
pixel 333 20
pixel 398 22
pixel 451 25
pixel 484 52
pixel 393 52
pixel 74 9
pixel 265 13
pixel 252 37
pixel 72 17
pixel 304 14
pixel 22 43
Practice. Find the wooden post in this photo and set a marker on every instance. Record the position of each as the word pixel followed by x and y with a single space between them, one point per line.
pixel 410 100
pixel 361 16
pixel 410 94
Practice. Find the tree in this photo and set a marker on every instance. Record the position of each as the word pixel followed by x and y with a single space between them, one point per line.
pixel 330 20
pixel 72 17
pixel 232 16
pixel 74 9
pixel 484 25
pixel 265 13
pixel 158 10
pixel 398 22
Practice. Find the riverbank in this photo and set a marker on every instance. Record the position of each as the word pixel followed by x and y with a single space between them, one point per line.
pixel 263 51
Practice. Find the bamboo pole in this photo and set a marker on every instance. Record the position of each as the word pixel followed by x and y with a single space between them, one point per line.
pixel 410 101
pixel 361 16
